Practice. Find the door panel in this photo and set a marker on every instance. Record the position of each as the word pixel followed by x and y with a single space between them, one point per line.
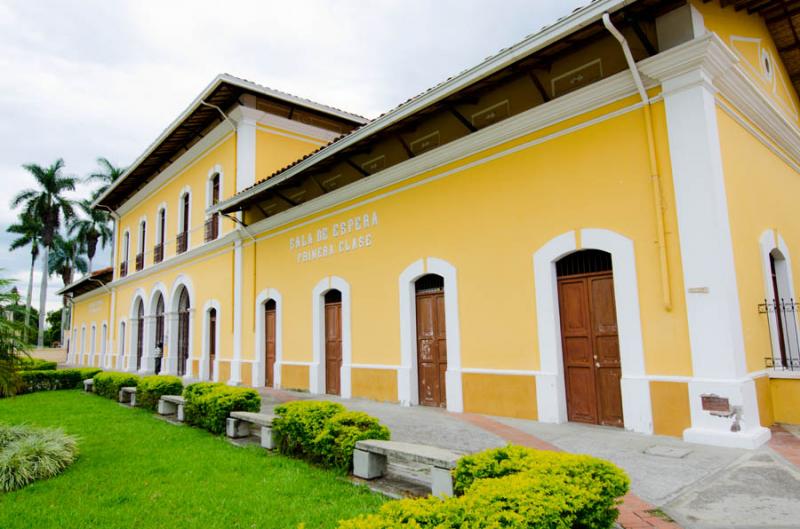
pixel 333 348
pixel 431 349
pixel 269 347
pixel 591 348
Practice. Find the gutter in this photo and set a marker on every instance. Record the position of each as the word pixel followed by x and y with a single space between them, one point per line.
pixel 655 178
pixel 582 17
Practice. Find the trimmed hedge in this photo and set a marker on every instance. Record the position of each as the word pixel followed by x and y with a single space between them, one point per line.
pixel 36 364
pixel 151 388
pixel 108 384
pixel 323 432
pixel 514 487
pixel 209 404
pixel 33 381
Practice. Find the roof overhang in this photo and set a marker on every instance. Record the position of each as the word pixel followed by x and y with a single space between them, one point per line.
pixel 89 282
pixel 203 114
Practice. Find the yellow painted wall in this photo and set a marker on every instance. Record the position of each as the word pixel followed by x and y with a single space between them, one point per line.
pixel 488 221
pixel 786 400
pixel 748 36
pixel 275 149
pixel 375 384
pixel 765 407
pixel 671 412
pixel 88 311
pixel 761 191
pixel 506 395
pixel 294 377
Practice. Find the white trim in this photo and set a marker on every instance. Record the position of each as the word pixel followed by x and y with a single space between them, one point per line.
pixel 550 384
pixel 317 370
pixel 126 251
pixel 148 351
pixel 295 137
pixel 259 365
pixel 236 363
pixel 186 190
pixel 138 295
pixel 407 386
pixel 374 366
pixel 296 363
pixel 768 242
pixel 83 345
pixel 103 344
pixel 172 323
pixel 787 375
pixel 112 312
pixel 290 126
pixel 512 372
pixel 245 148
pixel 141 242
pixel 206 352
pixel 161 234
pixel 122 336
pixel 93 344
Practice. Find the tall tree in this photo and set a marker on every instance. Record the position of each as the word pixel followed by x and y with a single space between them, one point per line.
pixel 13 349
pixel 107 175
pixel 92 229
pixel 48 203
pixel 65 259
pixel 29 233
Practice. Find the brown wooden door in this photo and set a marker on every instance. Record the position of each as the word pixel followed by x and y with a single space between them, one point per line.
pixel 590 344
pixel 212 341
pixel 333 347
pixel 183 332
pixel 431 349
pixel 269 344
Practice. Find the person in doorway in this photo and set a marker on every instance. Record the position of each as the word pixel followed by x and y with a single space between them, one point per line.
pixel 158 354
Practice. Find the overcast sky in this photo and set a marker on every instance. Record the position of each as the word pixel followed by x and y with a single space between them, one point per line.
pixel 82 79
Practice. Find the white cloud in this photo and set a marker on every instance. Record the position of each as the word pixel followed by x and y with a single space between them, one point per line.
pixel 90 78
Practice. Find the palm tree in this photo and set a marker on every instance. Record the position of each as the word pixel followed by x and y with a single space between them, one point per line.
pixel 48 203
pixel 13 349
pixel 91 230
pixel 65 259
pixel 29 233
pixel 108 174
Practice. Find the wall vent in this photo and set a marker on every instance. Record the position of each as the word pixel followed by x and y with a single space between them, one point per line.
pixel 374 165
pixel 490 115
pixel 425 143
pixel 582 76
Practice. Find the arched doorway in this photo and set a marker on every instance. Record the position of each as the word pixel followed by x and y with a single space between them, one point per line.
pixel 212 341
pixel 139 323
pixel 183 331
pixel 589 338
pixel 782 311
pixel 333 342
pixel 158 336
pixel 431 337
pixel 270 319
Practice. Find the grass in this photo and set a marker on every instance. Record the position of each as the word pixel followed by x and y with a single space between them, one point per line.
pixel 135 470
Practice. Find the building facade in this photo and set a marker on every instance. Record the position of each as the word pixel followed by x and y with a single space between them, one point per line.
pixel 594 225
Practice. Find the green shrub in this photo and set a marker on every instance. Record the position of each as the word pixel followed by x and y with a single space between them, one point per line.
pixel 108 384
pixel 209 404
pixel 33 381
pixel 511 459
pixel 28 454
pixel 548 490
pixel 36 364
pixel 297 425
pixel 334 445
pixel 150 389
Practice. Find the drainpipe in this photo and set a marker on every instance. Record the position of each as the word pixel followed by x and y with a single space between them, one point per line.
pixel 655 178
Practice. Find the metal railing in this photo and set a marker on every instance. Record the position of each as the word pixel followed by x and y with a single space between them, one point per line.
pixel 158 253
pixel 783 333
pixel 139 261
pixel 212 228
pixel 123 269
pixel 182 242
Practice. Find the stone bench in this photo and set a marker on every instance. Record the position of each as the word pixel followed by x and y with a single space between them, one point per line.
pixel 127 395
pixel 88 385
pixel 241 423
pixel 370 458
pixel 171 405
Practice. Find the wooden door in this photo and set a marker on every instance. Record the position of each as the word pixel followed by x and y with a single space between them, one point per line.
pixel 139 335
pixel 269 344
pixel 333 347
pixel 212 341
pixel 183 332
pixel 590 343
pixel 431 349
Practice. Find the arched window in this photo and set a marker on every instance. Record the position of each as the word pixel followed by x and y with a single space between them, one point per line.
pixel 183 223
pixel 212 223
pixel 121 345
pixel 183 331
pixel 783 309
pixel 126 245
pixel 158 339
pixel 142 243
pixel 161 230
pixel 139 334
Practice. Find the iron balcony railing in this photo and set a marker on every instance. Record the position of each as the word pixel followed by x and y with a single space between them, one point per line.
pixel 212 228
pixel 139 261
pixel 158 253
pixel 784 336
pixel 123 269
pixel 183 242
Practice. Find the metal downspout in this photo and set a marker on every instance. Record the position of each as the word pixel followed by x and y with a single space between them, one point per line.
pixel 655 178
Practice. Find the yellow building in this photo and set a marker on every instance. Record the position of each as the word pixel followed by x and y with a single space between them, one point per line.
pixel 596 225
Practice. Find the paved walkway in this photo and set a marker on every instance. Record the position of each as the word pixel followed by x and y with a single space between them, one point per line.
pixel 701 487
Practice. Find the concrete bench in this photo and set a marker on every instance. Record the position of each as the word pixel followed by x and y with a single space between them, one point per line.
pixel 171 405
pixel 88 385
pixel 127 395
pixel 241 424
pixel 370 457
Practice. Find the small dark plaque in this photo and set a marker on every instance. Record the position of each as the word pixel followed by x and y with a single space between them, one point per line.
pixel 715 403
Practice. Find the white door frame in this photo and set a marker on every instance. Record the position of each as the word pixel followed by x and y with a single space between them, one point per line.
pixel 316 372
pixel 259 375
pixel 206 352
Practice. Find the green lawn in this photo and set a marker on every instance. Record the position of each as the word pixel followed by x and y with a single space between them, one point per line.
pixel 137 471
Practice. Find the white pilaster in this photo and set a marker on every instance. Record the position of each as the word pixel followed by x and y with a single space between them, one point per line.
pixel 236 363
pixel 712 301
pixel 245 147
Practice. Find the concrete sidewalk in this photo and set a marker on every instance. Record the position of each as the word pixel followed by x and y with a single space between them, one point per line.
pixel 701 487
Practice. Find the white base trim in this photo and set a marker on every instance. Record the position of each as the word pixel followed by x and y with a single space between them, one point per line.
pixel 750 440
